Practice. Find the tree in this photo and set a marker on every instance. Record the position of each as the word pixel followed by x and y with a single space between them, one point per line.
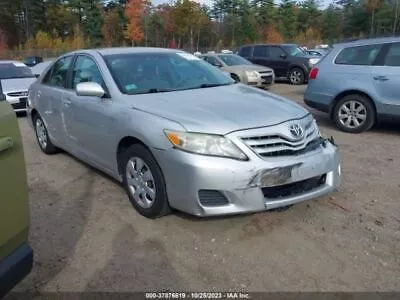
pixel 134 12
pixel 272 35
pixel 112 29
pixel 288 19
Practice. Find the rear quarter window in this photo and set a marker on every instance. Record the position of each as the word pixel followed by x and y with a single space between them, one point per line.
pixel 359 55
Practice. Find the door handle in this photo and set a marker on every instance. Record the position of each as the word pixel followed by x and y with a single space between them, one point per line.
pixel 6 143
pixel 381 78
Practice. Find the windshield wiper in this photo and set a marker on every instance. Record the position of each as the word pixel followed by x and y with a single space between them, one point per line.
pixel 207 85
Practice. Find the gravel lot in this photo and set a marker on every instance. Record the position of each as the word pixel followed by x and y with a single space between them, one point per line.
pixel 87 237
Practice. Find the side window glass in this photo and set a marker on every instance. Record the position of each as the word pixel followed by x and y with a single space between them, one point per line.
pixel 360 55
pixel 57 76
pixel 260 51
pixel 393 56
pixel 46 78
pixel 245 52
pixel 275 52
pixel 212 60
pixel 86 70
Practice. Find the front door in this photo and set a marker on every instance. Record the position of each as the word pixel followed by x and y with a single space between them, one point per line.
pixel 387 80
pixel 90 121
pixel 278 61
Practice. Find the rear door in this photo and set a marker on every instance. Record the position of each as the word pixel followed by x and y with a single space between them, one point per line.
pixel 49 97
pixel 387 79
pixel 261 56
pixel 14 209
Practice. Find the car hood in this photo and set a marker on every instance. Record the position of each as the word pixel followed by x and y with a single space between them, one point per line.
pixel 16 84
pixel 220 110
pixel 248 68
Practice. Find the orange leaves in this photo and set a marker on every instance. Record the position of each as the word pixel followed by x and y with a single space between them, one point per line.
pixel 272 35
pixel 111 28
pixel 134 12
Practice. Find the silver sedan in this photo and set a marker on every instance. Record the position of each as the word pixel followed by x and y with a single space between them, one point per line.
pixel 179 133
pixel 242 70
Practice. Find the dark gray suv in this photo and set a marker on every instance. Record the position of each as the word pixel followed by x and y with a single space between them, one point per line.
pixel 287 60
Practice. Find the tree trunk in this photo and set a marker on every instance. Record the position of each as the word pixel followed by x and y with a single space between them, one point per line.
pixel 396 16
pixel 191 40
pixel 198 40
pixel 372 23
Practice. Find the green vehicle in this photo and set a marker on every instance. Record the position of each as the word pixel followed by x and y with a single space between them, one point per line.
pixel 16 256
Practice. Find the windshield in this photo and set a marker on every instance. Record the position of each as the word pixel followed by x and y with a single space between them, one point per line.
pixel 14 70
pixel 293 50
pixel 234 60
pixel 141 73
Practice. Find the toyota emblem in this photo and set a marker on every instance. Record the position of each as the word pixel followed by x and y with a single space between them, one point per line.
pixel 296 130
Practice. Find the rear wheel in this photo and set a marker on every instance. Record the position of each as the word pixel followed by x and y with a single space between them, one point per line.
pixel 354 114
pixel 42 136
pixel 144 182
pixel 296 76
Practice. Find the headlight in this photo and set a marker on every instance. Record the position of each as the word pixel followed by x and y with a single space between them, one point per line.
pixel 313 61
pixel 251 75
pixel 205 144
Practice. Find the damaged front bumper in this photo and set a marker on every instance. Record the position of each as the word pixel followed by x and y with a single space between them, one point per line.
pixel 208 186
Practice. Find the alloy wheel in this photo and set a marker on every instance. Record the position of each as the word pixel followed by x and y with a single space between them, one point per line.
pixel 352 114
pixel 296 77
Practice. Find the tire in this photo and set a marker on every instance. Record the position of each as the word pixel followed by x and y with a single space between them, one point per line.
pixel 296 76
pixel 235 77
pixel 42 136
pixel 353 109
pixel 146 191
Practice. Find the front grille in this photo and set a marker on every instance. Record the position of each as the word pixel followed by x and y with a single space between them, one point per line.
pixel 212 198
pixel 18 94
pixel 279 145
pixel 295 188
pixel 21 104
pixel 266 76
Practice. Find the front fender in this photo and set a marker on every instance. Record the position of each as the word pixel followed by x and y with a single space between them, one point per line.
pixel 148 128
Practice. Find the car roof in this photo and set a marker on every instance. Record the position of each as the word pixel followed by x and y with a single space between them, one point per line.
pixel 126 50
pixel 252 45
pixel 362 42
pixel 5 61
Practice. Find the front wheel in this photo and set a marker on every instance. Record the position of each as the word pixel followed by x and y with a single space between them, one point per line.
pixel 144 182
pixel 296 76
pixel 354 114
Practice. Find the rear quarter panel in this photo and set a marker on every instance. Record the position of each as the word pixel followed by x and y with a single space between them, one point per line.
pixel 334 79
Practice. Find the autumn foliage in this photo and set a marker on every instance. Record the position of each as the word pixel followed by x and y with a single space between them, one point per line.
pixel 134 12
pixel 272 35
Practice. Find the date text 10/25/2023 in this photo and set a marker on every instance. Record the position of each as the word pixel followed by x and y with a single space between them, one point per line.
pixel 197 295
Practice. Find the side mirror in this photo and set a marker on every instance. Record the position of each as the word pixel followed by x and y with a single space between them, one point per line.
pixel 284 56
pixel 92 89
pixel 2 97
pixel 218 65
pixel 37 75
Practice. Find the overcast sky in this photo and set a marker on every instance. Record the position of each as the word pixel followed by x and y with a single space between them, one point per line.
pixel 324 3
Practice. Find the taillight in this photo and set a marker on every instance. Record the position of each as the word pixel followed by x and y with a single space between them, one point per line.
pixel 313 73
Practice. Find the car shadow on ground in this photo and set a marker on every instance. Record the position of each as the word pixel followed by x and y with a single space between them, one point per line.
pixel 133 263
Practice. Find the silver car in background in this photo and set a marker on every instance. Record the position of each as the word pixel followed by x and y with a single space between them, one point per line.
pixel 15 79
pixel 242 70
pixel 179 133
